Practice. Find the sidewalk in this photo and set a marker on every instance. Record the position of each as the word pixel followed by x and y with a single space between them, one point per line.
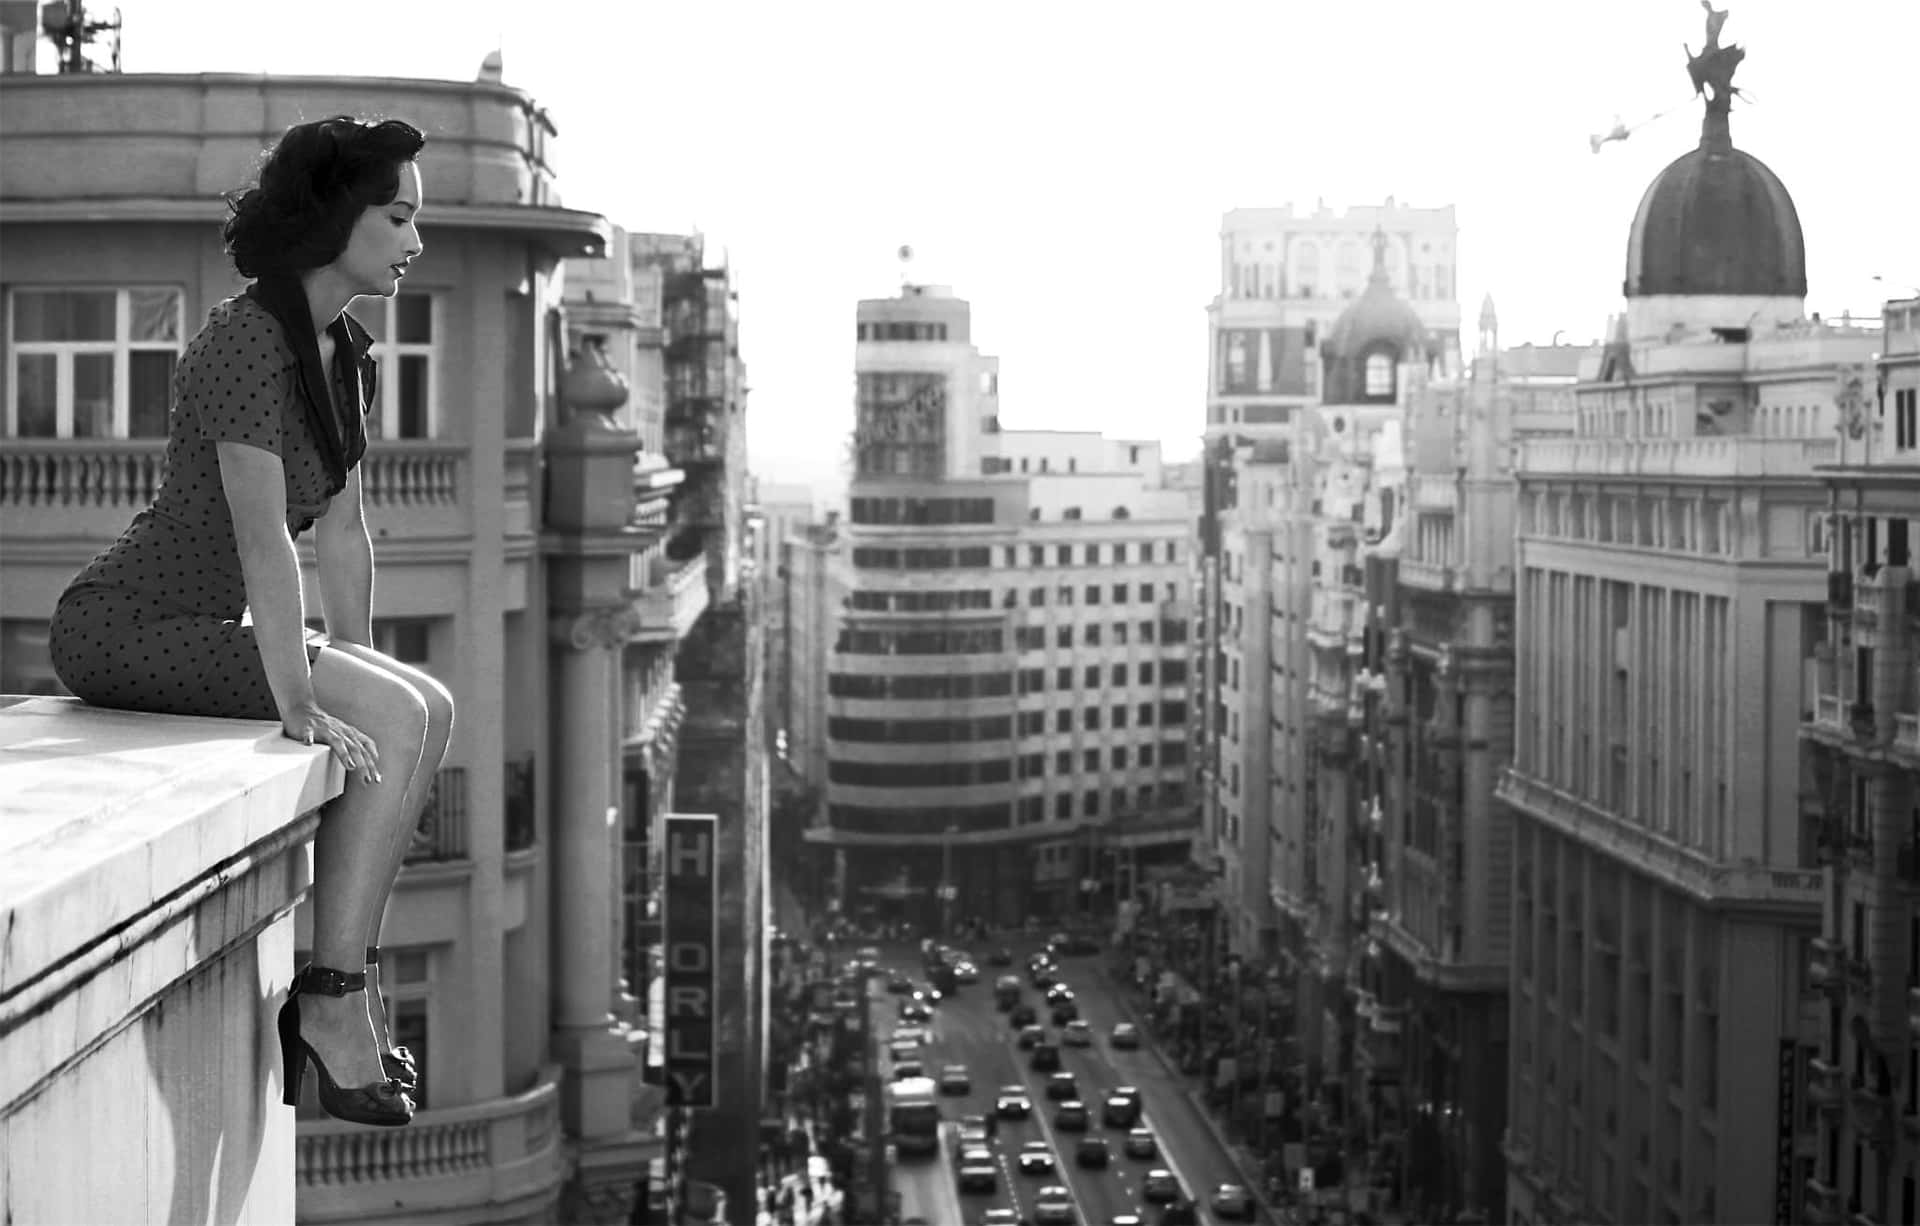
pixel 791 1205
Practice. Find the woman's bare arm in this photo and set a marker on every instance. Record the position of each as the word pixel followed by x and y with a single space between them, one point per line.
pixel 256 489
pixel 344 551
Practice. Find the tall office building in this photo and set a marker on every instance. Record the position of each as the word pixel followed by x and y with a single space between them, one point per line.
pixel 1006 729
pixel 1670 588
pixel 1863 760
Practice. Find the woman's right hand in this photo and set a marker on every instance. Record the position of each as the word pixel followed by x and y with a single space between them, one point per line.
pixel 309 725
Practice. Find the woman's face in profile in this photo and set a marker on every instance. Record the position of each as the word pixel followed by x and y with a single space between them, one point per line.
pixel 385 240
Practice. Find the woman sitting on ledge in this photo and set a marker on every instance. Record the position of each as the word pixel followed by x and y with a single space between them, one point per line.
pixel 264 441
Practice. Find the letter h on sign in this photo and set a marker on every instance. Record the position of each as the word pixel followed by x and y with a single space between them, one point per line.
pixel 690 933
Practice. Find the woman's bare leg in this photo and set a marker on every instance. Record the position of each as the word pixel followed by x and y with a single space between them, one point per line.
pixel 433 753
pixel 353 852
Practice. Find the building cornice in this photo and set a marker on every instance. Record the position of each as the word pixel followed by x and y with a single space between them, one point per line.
pixel 563 232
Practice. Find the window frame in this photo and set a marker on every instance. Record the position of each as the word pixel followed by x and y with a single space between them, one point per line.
pixel 383 419
pixel 121 348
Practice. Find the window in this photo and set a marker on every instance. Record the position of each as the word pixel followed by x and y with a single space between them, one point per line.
pixel 1063 762
pixel 1119 715
pixel 1119 593
pixel 1093 676
pixel 405 639
pixel 1063 636
pixel 1093 635
pixel 1063 679
pixel 1063 554
pixel 1063 721
pixel 1037 597
pixel 91 363
pixel 1093 555
pixel 1036 555
pixel 1146 755
pixel 1093 593
pixel 1146 593
pixel 1090 718
pixel 1120 551
pixel 404 343
pixel 1090 804
pixel 1090 759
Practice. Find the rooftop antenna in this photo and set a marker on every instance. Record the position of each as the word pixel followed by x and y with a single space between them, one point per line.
pixel 65 22
pixel 905 256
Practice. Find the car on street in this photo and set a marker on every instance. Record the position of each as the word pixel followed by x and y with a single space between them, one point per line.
pixel 1125 1037
pixel 978 1171
pixel 1071 1116
pixel 1066 1011
pixel 999 1217
pixel 1059 992
pixel 1120 1111
pixel 1140 1143
pixel 954 1079
pixel 1077 1034
pixel 1030 1037
pixel 1022 1014
pixel 866 960
pixel 1001 956
pixel 1036 1158
pixel 976 1124
pixel 1126 1219
pixel 915 1034
pixel 1006 992
pixel 1062 1086
pixel 1179 1212
pixel 1160 1187
pixel 1092 1151
pixel 899 984
pixel 1014 1103
pixel 1045 976
pixel 966 972
pixel 903 1069
pixel 912 1010
pixel 1232 1201
pixel 1045 1058
pixel 1053 1205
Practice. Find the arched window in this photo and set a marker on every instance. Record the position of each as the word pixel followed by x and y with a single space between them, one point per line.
pixel 1379 374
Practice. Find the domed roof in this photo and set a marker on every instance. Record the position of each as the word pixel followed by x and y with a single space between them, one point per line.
pixel 1377 315
pixel 1716 220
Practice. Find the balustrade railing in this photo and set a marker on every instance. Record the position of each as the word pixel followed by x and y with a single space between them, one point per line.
pixel 442 832
pixel 512 1140
pixel 411 473
pixel 62 473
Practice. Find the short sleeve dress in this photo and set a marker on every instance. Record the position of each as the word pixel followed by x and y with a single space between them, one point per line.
pixel 153 622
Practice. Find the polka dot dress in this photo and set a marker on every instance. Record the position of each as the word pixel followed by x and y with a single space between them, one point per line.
pixel 153 622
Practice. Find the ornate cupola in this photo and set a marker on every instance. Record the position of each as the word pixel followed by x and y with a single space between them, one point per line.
pixel 1715 224
pixel 1361 356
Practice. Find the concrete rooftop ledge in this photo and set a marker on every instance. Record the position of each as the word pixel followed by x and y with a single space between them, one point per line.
pixel 149 870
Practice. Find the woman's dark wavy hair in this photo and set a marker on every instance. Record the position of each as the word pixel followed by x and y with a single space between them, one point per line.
pixel 313 187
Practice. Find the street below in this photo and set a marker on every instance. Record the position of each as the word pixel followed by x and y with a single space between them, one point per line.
pixel 969 1030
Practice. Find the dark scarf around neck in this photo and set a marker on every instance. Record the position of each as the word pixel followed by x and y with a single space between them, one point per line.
pixel 342 435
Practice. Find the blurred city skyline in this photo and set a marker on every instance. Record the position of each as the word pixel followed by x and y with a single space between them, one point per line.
pixel 1065 167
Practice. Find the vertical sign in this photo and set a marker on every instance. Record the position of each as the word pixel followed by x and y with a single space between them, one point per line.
pixel 1784 1128
pixel 691 935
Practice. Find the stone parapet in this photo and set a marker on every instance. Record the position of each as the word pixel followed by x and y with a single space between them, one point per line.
pixel 149 869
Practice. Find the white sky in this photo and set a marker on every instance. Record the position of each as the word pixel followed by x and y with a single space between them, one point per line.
pixel 1065 165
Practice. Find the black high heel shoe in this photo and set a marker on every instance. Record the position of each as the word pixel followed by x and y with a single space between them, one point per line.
pixel 383 1103
pixel 397 1062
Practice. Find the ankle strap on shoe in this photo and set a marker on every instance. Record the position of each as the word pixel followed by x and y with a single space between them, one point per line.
pixel 325 981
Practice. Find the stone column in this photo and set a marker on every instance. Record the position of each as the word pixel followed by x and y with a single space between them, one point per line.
pixel 590 1041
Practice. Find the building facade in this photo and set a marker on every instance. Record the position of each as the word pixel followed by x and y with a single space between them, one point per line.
pixel 1006 679
pixel 1670 586
pixel 521 509
pixel 1862 750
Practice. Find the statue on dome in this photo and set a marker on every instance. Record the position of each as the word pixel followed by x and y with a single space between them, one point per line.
pixel 1713 68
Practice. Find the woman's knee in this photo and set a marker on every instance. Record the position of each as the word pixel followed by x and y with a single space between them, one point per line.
pixel 385 707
